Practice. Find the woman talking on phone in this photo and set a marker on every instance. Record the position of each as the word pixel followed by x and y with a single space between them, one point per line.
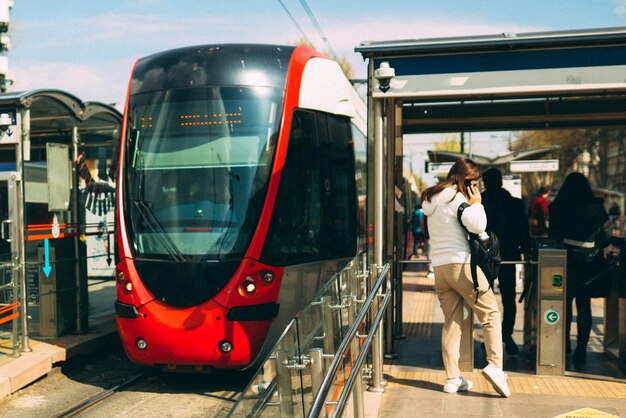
pixel 450 257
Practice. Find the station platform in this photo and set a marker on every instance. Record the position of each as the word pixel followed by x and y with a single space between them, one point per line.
pixel 415 378
pixel 18 372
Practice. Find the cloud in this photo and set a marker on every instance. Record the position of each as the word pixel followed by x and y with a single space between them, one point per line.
pixel 620 7
pixel 345 35
pixel 93 57
pixel 89 82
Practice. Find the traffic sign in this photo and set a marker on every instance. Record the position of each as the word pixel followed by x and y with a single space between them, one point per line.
pixel 533 166
pixel 439 168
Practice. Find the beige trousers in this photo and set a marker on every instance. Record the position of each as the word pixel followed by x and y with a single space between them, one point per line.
pixel 454 286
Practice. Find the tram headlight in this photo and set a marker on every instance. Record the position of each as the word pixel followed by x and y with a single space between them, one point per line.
pixel 268 277
pixel 141 344
pixel 248 287
pixel 128 286
pixel 225 346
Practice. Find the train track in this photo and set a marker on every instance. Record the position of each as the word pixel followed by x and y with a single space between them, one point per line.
pixel 222 400
pixel 89 402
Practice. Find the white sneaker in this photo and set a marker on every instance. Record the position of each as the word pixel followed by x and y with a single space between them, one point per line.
pixel 497 378
pixel 457 384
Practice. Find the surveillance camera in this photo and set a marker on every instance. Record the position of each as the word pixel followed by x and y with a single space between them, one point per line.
pixel 5 121
pixel 384 74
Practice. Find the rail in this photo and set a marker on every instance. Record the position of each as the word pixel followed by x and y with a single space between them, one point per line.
pixel 504 262
pixel 9 311
pixel 355 372
pixel 327 336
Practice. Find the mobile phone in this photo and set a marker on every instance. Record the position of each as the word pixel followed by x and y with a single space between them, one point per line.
pixel 467 183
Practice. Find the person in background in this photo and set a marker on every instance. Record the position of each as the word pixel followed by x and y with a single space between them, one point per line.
pixel 538 212
pixel 417 228
pixel 450 257
pixel 614 210
pixel 578 219
pixel 506 217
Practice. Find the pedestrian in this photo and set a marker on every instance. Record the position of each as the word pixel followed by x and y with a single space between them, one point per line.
pixel 417 228
pixel 578 219
pixel 538 212
pixel 450 257
pixel 506 217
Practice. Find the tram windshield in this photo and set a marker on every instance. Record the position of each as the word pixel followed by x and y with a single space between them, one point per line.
pixel 198 162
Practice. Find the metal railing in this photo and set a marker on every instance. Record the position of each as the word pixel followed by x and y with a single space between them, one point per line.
pixel 24 293
pixel 310 362
pixel 348 343
pixel 9 311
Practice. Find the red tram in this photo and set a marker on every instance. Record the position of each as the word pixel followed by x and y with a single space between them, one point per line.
pixel 241 175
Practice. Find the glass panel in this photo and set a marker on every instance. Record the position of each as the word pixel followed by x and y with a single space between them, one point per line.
pixel 198 165
pixel 339 187
pixel 96 205
pixel 275 391
pixel 320 328
pixel 295 234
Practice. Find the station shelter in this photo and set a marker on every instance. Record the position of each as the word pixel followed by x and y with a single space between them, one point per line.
pixel 504 82
pixel 49 216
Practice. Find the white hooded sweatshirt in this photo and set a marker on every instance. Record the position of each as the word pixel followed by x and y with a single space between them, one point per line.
pixel 448 240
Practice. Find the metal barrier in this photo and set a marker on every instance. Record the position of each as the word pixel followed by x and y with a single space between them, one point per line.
pixel 9 312
pixel 323 341
pixel 349 343
pixel 36 303
pixel 552 283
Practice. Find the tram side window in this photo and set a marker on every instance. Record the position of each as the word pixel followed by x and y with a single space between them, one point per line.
pixel 360 156
pixel 315 213
pixel 295 230
pixel 339 213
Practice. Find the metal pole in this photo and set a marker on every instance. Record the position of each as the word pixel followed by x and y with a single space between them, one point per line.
pixel 399 330
pixel 357 390
pixel 317 373
pixel 329 326
pixel 391 215
pixel 285 390
pixel 400 231
pixel 377 343
pixel 20 265
pixel 81 291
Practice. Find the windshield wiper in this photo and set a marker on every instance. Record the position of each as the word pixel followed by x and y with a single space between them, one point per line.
pixel 155 227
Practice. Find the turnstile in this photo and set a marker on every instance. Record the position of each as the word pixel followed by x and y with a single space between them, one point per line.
pixel 551 305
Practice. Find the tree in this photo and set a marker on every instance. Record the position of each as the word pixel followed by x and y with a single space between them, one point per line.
pixel 605 147
pixel 448 143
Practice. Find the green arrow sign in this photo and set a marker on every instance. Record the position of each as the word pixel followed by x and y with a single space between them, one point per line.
pixel 557 280
pixel 551 317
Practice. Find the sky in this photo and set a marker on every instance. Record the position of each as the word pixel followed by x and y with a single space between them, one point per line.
pixel 88 47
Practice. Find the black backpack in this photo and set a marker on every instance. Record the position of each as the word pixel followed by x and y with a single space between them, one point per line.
pixel 486 257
